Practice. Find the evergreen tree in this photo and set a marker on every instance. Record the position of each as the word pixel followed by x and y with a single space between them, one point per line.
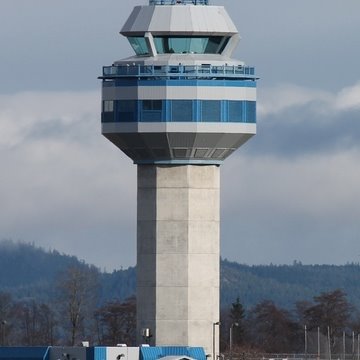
pixel 237 315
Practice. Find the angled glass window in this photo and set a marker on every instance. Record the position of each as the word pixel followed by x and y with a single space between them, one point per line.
pixel 139 45
pixel 251 111
pixel 190 44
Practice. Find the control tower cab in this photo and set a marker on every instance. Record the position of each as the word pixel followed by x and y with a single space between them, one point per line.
pixel 181 99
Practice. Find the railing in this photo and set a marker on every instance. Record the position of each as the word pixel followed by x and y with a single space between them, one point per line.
pixel 179 72
pixel 175 2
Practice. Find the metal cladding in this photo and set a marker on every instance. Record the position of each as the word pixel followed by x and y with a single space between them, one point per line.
pixel 181 99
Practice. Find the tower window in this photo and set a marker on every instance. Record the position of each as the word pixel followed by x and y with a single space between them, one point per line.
pixel 190 44
pixel 251 111
pixel 211 110
pixel 139 45
pixel 108 106
pixel 182 110
pixel 107 111
pixel 236 111
pixel 151 110
pixel 126 110
pixel 155 105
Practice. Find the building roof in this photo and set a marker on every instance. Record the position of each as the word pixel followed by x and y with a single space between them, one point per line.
pixel 172 353
pixel 181 19
pixel 29 353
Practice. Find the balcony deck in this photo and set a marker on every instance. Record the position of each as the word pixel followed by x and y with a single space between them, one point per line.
pixel 181 72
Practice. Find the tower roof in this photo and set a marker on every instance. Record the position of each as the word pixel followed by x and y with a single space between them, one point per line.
pixel 186 19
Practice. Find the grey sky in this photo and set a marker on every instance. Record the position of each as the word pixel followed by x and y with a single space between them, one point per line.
pixel 290 193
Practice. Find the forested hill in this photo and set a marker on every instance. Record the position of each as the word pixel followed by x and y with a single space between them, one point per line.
pixel 27 271
pixel 287 284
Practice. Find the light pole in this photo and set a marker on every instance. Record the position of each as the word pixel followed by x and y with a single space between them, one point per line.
pixel 353 345
pixel 318 342
pixel 214 324
pixel 231 337
pixel 329 342
pixel 305 334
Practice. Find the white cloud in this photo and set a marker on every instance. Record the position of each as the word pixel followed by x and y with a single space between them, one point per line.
pixel 280 209
pixel 293 193
pixel 318 185
pixel 284 97
pixel 63 185
pixel 22 113
pixel 348 98
pixel 277 99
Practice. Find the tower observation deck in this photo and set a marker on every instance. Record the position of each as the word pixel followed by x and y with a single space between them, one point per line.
pixel 178 108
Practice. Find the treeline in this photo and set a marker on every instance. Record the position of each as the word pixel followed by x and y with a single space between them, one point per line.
pixel 72 314
pixel 75 314
pixel 328 323
pixel 37 306
pixel 286 284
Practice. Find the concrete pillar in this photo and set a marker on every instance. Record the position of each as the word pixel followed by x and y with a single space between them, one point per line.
pixel 178 254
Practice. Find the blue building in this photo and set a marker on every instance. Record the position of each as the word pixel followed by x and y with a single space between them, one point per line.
pixel 101 353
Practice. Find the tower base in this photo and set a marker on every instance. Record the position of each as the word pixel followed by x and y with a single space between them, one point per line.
pixel 178 255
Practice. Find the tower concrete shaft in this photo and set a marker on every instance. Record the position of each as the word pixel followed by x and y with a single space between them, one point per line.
pixel 178 254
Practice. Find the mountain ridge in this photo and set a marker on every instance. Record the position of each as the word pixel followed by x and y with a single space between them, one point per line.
pixel 34 271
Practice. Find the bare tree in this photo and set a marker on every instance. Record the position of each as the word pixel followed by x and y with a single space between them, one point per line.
pixel 78 289
pixel 34 323
pixel 117 322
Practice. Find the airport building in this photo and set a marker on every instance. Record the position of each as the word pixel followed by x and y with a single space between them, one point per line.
pixel 120 352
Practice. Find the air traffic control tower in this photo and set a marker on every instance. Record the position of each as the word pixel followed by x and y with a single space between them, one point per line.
pixel 178 108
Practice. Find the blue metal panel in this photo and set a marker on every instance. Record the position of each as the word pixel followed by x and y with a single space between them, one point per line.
pixel 197 353
pixel 29 353
pixel 156 352
pixel 175 350
pixel 99 353
pixel 150 353
pixel 90 353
